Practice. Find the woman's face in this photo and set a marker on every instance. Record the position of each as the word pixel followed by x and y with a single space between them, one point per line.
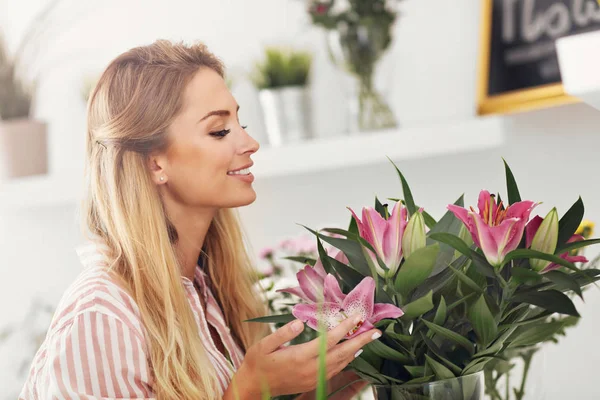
pixel 206 164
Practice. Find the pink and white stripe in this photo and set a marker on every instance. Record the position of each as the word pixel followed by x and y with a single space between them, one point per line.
pixel 95 347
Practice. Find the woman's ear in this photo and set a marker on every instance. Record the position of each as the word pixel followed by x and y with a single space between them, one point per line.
pixel 156 164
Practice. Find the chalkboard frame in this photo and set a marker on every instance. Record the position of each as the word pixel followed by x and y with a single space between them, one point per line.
pixel 542 96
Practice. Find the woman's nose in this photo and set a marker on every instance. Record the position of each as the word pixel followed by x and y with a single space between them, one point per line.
pixel 250 144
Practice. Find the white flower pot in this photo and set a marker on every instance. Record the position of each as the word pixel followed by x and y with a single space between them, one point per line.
pixel 23 148
pixel 287 114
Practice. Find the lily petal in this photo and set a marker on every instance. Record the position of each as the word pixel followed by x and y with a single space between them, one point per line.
pixel 383 311
pixel 311 283
pixel 375 227
pixel 521 209
pixel 333 293
pixel 531 229
pixel 319 269
pixel 296 291
pixel 341 257
pixel 486 240
pixel 361 299
pixel 505 234
pixel 463 215
pixel 392 240
pixel 366 326
pixel 571 259
pixel 308 313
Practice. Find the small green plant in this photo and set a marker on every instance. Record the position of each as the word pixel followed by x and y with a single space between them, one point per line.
pixel 282 67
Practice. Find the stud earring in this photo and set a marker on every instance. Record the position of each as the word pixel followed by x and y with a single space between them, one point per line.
pixel 162 178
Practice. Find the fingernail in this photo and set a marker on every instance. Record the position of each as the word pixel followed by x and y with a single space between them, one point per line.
pixel 357 319
pixel 376 336
pixel 358 353
pixel 297 326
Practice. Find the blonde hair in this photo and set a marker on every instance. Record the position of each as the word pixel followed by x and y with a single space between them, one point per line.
pixel 132 105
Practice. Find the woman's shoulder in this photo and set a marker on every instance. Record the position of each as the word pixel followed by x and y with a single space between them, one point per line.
pixel 96 291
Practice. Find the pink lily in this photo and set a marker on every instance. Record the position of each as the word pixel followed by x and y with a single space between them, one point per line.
pixel 384 235
pixel 495 230
pixel 312 282
pixel 531 230
pixel 359 300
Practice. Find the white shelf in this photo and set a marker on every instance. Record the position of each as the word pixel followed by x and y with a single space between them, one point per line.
pixel 371 148
pixel 579 61
pixel 308 157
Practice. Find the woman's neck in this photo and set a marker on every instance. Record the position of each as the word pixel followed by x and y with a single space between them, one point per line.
pixel 192 227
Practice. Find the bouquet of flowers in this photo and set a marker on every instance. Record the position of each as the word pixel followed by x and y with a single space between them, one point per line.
pixel 451 296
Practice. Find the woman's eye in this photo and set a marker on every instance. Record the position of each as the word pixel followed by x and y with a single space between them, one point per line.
pixel 221 133
pixel 244 126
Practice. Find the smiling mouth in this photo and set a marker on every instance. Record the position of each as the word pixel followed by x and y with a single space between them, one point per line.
pixel 245 171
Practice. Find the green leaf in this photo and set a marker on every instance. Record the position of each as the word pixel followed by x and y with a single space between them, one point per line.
pixel 434 284
pixel 449 223
pixel 381 209
pixel 576 245
pixel 349 276
pixel 429 220
pixel 466 280
pixel 415 371
pixel 564 281
pixel 483 321
pixel 367 369
pixel 528 253
pixel 417 381
pixel 524 275
pixel 323 256
pixel 408 197
pixel 452 240
pixel 535 334
pixel 353 227
pixel 418 307
pixel 542 316
pixel 551 300
pixel 476 365
pixel 282 318
pixel 440 370
pixel 352 250
pixel 440 355
pixel 302 260
pixel 386 352
pixel 416 269
pixel 448 334
pixel 569 223
pixel 463 299
pixel 482 265
pixel 511 185
pixel 440 313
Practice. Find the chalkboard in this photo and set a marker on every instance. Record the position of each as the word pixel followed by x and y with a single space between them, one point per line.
pixel 519 66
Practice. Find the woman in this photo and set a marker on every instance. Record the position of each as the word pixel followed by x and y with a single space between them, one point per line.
pixel 158 311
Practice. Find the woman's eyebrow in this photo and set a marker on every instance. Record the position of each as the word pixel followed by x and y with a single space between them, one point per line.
pixel 220 113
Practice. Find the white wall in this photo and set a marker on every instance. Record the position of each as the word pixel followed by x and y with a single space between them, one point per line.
pixel 553 152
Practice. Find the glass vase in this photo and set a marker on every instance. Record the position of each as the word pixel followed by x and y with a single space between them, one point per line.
pixel 356 49
pixel 468 387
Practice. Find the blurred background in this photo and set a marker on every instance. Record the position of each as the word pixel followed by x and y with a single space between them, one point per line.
pixel 432 84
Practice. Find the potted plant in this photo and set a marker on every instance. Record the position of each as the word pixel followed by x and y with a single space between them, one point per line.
pixel 282 80
pixel 23 148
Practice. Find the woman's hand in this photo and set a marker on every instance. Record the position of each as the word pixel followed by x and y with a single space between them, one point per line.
pixel 294 369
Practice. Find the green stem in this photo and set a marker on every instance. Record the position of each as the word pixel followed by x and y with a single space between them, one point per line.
pixel 527 360
pixel 508 386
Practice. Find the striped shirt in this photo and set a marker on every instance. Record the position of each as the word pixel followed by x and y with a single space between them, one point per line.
pixel 95 347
